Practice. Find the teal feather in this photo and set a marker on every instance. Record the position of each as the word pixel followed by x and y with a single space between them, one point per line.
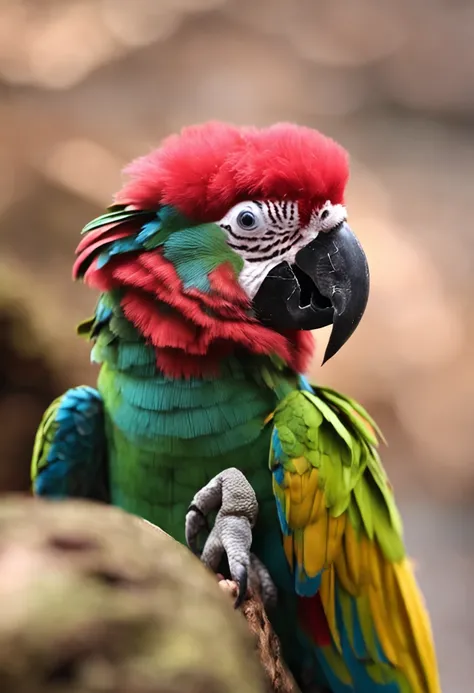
pixel 149 230
pixel 355 655
pixel 123 245
pixel 157 394
pixel 142 422
pixel 197 251
pixel 156 232
pixel 211 445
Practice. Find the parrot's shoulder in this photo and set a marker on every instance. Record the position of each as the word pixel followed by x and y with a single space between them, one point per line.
pixel 69 451
pixel 310 415
pixel 320 433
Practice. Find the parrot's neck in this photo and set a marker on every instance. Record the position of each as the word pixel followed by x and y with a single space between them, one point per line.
pixel 193 333
pixel 145 403
pixel 192 329
pixel 202 354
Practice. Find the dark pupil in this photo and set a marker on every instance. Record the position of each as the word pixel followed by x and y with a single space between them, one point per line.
pixel 247 219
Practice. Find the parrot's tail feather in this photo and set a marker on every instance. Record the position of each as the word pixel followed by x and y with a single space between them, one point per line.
pixel 381 640
pixel 375 639
pixel 335 670
pixel 420 658
pixel 313 619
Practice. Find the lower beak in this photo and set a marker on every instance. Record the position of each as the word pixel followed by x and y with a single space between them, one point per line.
pixel 327 284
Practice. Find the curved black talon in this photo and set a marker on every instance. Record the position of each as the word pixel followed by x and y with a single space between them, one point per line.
pixel 241 577
pixel 196 521
pixel 194 508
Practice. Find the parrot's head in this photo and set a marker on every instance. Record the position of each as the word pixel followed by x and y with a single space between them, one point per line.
pixel 232 236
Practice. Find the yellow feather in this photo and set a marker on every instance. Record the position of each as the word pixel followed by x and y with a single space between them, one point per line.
pixel 303 496
pixel 300 513
pixel 301 465
pixel 420 627
pixel 382 609
pixel 351 544
pixel 342 573
pixel 295 488
pixel 415 607
pixel 375 569
pixel 392 598
pixel 327 592
pixel 287 496
pixel 312 484
pixel 334 540
pixel 308 497
pixel 268 418
pixel 315 536
pixel 319 506
pixel 298 545
pixel 288 548
pixel 364 553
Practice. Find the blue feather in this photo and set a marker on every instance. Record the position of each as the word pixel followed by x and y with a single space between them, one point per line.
pixel 103 312
pixel 305 385
pixel 123 245
pixel 148 230
pixel 334 683
pixel 73 462
pixel 278 450
pixel 279 474
pixel 281 516
pixel 355 662
pixel 307 586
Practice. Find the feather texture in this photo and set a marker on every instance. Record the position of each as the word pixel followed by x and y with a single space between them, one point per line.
pixel 188 380
pixel 343 541
pixel 184 297
pixel 69 456
pixel 206 168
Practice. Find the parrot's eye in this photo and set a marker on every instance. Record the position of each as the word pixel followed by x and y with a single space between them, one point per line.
pixel 247 220
pixel 245 216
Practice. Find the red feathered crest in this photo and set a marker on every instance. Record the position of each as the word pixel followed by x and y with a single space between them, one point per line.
pixel 207 168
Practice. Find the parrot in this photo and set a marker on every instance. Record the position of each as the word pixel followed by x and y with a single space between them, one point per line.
pixel 224 250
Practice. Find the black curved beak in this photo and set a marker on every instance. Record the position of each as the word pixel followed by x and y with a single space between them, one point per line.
pixel 327 284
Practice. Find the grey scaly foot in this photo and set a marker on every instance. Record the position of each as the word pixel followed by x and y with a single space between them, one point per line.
pixel 235 499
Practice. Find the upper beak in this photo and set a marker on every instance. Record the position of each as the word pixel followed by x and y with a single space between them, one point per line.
pixel 337 265
pixel 328 283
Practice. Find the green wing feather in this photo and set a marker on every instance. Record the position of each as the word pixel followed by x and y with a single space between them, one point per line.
pixel 343 538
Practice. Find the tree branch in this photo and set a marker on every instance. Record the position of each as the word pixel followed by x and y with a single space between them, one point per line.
pixel 278 677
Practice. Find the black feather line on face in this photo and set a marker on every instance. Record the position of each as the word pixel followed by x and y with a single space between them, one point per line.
pixel 281 248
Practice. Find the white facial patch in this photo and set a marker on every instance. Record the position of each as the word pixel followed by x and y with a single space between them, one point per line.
pixel 265 233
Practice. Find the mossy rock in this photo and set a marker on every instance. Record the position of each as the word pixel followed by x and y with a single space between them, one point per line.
pixel 94 600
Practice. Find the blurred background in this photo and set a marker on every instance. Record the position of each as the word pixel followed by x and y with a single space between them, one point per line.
pixel 85 85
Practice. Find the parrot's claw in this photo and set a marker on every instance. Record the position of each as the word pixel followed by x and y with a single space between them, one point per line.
pixel 235 499
pixel 196 521
pixel 241 577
